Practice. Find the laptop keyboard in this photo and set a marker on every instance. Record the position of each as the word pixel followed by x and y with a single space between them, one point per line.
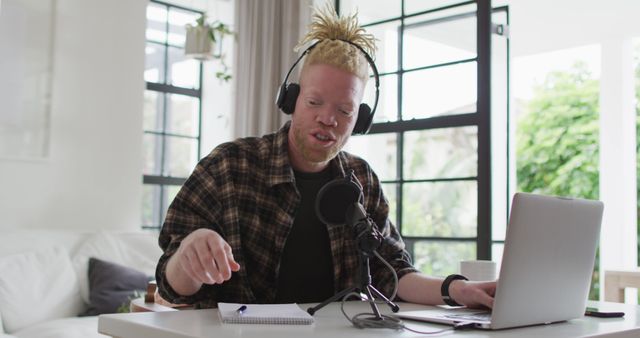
pixel 473 317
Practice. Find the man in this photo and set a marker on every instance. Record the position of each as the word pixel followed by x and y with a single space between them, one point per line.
pixel 243 227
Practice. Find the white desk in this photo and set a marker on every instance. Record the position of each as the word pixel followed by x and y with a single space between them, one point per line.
pixel 330 323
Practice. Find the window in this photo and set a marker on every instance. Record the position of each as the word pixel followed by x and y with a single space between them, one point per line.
pixel 430 140
pixel 172 110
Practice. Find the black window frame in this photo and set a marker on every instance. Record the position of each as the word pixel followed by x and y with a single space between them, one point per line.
pixel 481 119
pixel 160 203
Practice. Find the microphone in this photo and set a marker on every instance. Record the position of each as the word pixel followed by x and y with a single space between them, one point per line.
pixel 335 197
pixel 339 202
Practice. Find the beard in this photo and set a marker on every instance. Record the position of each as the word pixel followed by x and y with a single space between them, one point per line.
pixel 315 155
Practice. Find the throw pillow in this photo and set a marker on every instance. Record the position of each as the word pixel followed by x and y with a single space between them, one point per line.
pixel 112 285
pixel 112 247
pixel 37 286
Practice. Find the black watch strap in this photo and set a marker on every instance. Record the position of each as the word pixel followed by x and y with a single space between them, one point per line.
pixel 444 290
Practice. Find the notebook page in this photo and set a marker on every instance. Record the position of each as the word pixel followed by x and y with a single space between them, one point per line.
pixel 264 314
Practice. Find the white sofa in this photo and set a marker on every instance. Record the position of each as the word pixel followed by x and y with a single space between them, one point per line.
pixel 44 283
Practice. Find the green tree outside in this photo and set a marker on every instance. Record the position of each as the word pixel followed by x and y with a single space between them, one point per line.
pixel 442 209
pixel 557 140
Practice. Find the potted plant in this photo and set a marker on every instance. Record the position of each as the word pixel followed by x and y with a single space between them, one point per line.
pixel 201 42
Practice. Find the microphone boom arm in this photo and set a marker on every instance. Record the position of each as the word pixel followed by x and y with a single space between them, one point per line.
pixel 339 202
pixel 367 235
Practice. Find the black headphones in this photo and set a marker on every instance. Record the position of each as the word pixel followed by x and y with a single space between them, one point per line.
pixel 288 93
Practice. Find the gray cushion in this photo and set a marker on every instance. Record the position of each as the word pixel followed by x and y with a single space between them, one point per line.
pixel 112 285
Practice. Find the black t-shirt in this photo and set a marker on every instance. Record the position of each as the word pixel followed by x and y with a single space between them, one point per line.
pixel 306 267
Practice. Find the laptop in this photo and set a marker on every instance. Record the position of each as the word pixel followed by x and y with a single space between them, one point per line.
pixel 547 264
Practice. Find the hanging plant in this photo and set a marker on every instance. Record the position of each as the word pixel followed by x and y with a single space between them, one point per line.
pixel 201 41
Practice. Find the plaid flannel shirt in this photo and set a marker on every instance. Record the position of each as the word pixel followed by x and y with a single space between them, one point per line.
pixel 245 190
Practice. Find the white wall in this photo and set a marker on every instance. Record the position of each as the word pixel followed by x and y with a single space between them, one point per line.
pixel 618 190
pixel 92 177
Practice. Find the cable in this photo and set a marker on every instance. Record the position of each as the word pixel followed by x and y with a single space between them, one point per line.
pixel 429 332
pixel 393 272
pixel 459 326
pixel 387 322
pixel 358 321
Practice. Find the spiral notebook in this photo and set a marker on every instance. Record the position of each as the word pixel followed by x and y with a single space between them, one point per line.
pixel 264 314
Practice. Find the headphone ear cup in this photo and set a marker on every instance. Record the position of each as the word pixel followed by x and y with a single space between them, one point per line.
pixel 289 98
pixel 282 93
pixel 364 119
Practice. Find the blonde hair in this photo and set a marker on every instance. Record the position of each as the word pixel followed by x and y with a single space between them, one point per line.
pixel 336 36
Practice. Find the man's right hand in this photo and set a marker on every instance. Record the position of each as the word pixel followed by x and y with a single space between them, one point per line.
pixel 203 257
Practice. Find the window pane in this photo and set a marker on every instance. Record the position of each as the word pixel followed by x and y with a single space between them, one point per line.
pixel 154 64
pixel 442 209
pixel 153 111
pixel 439 258
pixel 371 10
pixel 181 156
pixel 182 72
pixel 379 150
pixel 441 153
pixel 388 102
pixel 153 211
pixel 429 40
pixel 389 191
pixel 170 192
pixel 156 22
pixel 171 122
pixel 152 153
pixel 417 6
pixel 151 205
pixel 386 57
pixel 183 115
pixel 440 91
pixel 501 131
pixel 636 66
pixel 178 19
pixel 497 250
pixel 499 224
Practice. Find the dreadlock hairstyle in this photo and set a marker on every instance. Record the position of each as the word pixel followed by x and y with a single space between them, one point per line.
pixel 332 32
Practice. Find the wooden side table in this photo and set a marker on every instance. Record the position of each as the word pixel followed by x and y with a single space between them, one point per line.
pixel 140 305
pixel 152 302
pixel 616 280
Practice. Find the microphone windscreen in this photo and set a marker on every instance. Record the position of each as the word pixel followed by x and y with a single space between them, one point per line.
pixel 333 200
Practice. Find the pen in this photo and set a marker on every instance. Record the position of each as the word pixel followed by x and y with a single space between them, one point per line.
pixel 241 310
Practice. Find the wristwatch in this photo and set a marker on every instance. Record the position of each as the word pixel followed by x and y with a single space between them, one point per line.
pixel 444 290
